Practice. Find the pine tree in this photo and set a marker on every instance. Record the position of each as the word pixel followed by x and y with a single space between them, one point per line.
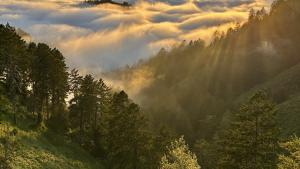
pixel 58 89
pixel 85 104
pixel 91 99
pixel 207 153
pixel 96 122
pixel 58 83
pixel 40 76
pixel 251 141
pixel 14 66
pixel 74 82
pixel 160 142
pixel 252 15
pixel 13 87
pixel 126 138
pixel 49 78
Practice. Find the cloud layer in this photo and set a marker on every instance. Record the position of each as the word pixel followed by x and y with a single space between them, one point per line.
pixel 105 37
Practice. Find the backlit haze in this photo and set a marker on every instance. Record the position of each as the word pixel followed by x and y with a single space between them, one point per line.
pixel 106 37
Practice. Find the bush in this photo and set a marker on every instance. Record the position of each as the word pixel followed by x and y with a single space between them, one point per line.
pixel 8 146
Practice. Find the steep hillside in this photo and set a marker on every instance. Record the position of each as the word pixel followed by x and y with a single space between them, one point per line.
pixel 191 86
pixel 289 116
pixel 62 119
pixel 281 88
pixel 284 89
pixel 40 148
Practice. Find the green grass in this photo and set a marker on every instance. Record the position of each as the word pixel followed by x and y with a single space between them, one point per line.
pixel 42 148
pixel 281 88
pixel 289 116
pixel 284 89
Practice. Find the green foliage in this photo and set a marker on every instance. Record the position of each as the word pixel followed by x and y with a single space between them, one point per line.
pixel 91 100
pixel 5 106
pixel 126 134
pixel 8 146
pixel 179 156
pixel 284 90
pixel 14 66
pixel 161 140
pixel 34 81
pixel 35 149
pixel 207 153
pixel 14 59
pixel 198 83
pixel 289 116
pixel 34 77
pixel 292 159
pixel 251 141
pixel 49 81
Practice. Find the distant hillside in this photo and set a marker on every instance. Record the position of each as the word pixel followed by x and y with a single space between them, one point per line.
pixel 284 89
pixel 190 87
pixel 99 2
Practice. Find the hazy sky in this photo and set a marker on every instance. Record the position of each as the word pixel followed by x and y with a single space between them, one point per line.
pixel 105 37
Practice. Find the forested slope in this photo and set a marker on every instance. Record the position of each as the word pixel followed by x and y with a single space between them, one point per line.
pixel 228 99
pixel 284 89
pixel 193 85
pixel 53 117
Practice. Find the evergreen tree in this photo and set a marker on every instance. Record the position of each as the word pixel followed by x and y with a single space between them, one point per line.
pixel 103 106
pixel 58 83
pixel 14 65
pixel 252 15
pixel 74 82
pixel 13 88
pixel 40 76
pixel 49 78
pixel 160 143
pixel 58 91
pixel 207 153
pixel 251 141
pixel 85 104
pixel 126 138
pixel 91 100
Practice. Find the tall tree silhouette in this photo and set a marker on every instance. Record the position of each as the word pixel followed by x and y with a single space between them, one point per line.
pixel 252 138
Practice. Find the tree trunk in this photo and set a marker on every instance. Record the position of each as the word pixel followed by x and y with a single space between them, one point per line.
pixel 14 113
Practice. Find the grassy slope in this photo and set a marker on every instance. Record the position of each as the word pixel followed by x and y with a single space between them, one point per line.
pixel 282 87
pixel 42 152
pixel 289 116
pixel 285 90
pixel 36 149
pixel 43 149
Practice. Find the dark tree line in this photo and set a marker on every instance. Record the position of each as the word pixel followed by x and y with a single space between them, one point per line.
pixel 49 82
pixel 111 126
pixel 34 75
pixel 107 124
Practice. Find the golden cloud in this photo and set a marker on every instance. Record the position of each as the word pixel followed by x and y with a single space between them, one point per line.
pixel 105 37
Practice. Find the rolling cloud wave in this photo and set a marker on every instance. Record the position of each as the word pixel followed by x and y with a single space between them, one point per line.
pixel 105 37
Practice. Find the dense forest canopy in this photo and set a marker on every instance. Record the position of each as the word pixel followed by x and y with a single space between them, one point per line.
pixel 199 84
pixel 231 104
